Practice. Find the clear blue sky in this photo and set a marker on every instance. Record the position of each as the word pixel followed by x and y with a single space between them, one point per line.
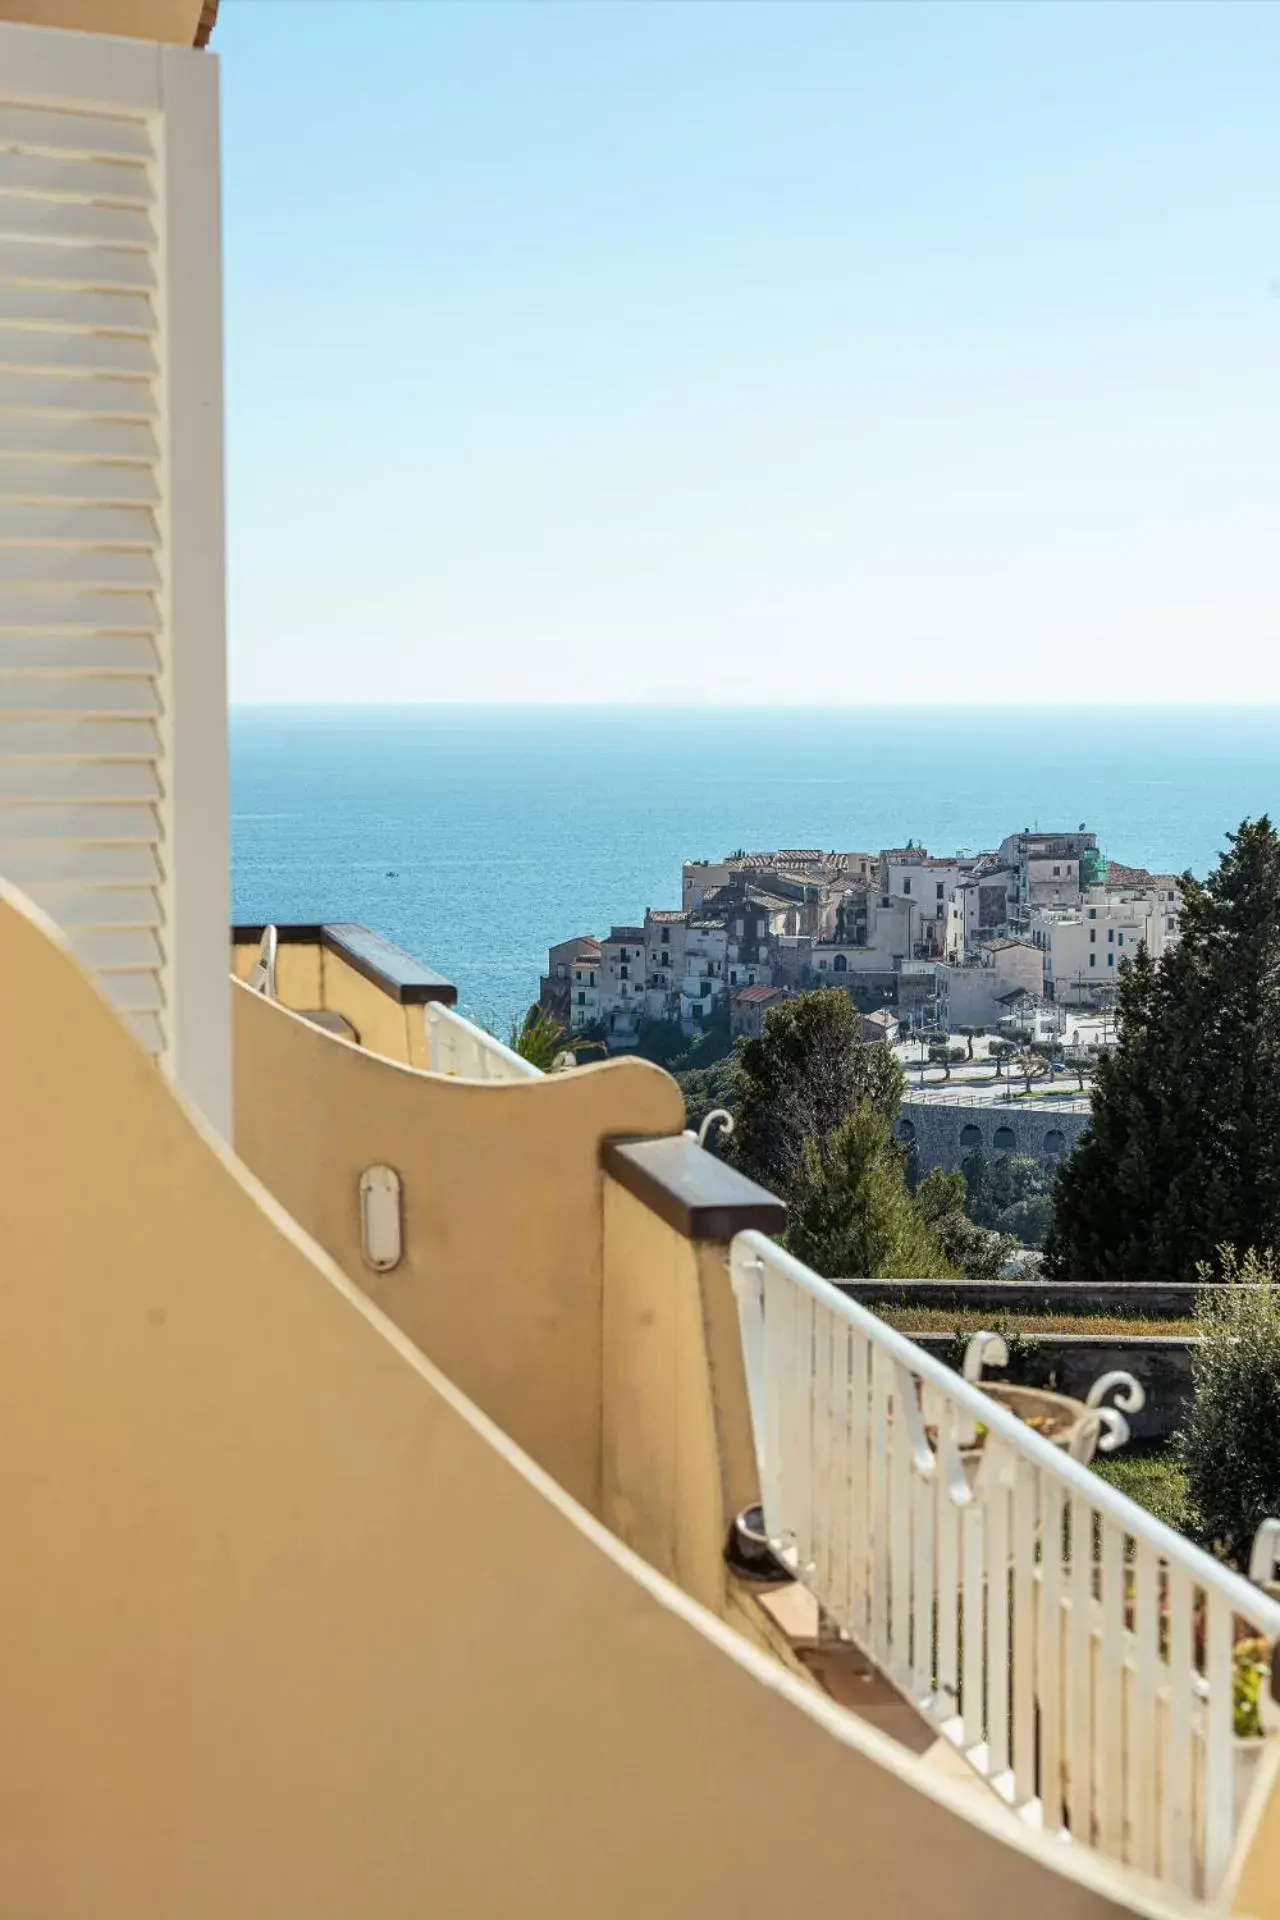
pixel 600 351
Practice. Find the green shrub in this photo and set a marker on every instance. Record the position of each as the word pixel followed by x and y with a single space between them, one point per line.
pixel 1230 1445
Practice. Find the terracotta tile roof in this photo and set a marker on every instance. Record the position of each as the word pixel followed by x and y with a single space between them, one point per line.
pixel 666 917
pixel 624 937
pixel 754 996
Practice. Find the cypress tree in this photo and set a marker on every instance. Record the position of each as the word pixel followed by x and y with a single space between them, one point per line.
pixel 851 1215
pixel 1183 1154
pixel 805 1075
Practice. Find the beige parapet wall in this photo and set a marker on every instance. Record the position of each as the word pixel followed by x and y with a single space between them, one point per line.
pixel 500 1281
pixel 292 1632
pixel 312 978
pixel 678 1457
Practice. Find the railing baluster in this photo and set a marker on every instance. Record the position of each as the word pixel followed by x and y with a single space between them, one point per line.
pixel 1176 1746
pixel 948 1593
pixel 842 1488
pixel 1109 1696
pixel 1049 1666
pixel 878 1541
pixel 775 1304
pixel 1142 1771
pixel 998 1593
pixel 860 1472
pixel 923 1530
pixel 1025 1592
pixel 1220 1812
pixel 820 1512
pixel 972 1611
pixel 900 1531
pixel 1080 1674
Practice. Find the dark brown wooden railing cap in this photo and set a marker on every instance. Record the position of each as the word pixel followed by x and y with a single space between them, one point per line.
pixel 395 972
pixel 690 1189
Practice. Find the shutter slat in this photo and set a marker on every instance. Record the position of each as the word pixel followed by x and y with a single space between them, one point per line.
pixel 49 131
pixel 112 612
pixel 76 310
pixel 45 350
pixel 26 218
pixel 98 906
pixel 147 1030
pixel 48 869
pixel 32 779
pixel 80 739
pixel 95 439
pixel 93 823
pixel 44 393
pixel 35 262
pixel 135 947
pixel 89 695
pixel 76 653
pixel 138 992
pixel 63 178
pixel 91 481
pixel 78 526
pixel 52 566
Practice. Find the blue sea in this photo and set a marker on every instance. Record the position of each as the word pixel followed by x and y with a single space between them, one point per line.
pixel 476 836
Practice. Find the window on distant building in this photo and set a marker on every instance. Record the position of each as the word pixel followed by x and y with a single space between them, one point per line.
pixel 582 998
pixel 1057 873
pixel 666 936
pixel 940 889
pixel 1093 959
pixel 1120 941
pixel 1093 913
pixel 1111 959
pixel 625 972
pixel 906 885
pixel 1111 936
pixel 1093 936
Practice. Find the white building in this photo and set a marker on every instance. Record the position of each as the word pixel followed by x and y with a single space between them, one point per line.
pixel 664 957
pixel 622 979
pixel 1083 946
pixel 584 996
pixel 704 985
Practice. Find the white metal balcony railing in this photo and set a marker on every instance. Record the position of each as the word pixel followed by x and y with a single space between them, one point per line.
pixel 1093 1689
pixel 456 1046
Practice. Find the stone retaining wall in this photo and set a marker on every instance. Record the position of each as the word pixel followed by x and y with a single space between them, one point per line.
pixel 944 1136
pixel 1136 1300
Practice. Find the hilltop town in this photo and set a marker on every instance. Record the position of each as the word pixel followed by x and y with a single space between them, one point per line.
pixel 1003 940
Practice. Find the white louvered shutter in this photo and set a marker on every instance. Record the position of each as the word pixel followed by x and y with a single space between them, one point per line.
pixel 112 678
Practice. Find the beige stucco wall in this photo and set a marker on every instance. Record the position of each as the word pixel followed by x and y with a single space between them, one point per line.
pixel 291 1632
pixel 500 1283
pixel 299 981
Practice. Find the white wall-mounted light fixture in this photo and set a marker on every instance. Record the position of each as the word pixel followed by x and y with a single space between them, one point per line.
pixel 381 1240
